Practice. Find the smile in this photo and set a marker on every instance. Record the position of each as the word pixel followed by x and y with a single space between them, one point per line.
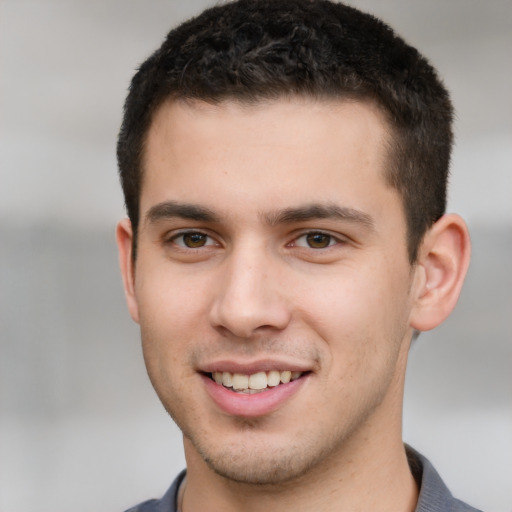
pixel 256 382
pixel 246 392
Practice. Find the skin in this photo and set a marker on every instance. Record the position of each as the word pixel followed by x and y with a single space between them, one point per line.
pixel 228 276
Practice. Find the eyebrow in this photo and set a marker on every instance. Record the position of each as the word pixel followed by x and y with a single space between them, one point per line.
pixel 314 211
pixel 320 211
pixel 172 209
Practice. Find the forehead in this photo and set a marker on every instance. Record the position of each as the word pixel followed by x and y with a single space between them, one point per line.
pixel 296 110
pixel 297 148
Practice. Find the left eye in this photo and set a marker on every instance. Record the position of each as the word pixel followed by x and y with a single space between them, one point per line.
pixel 315 240
pixel 193 240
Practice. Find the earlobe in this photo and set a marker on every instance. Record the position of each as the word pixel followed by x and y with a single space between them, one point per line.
pixel 441 268
pixel 124 238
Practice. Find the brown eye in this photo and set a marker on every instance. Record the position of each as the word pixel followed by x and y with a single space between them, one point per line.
pixel 318 240
pixel 192 240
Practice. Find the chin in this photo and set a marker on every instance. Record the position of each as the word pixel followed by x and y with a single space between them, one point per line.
pixel 263 464
pixel 277 469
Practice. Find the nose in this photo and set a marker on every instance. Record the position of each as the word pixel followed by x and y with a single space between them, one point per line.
pixel 250 297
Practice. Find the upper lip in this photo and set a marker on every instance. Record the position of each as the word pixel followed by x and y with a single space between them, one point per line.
pixel 251 367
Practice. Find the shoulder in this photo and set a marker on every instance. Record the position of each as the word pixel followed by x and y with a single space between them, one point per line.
pixel 434 495
pixel 166 504
pixel 146 506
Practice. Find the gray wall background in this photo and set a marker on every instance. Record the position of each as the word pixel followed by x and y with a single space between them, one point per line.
pixel 80 427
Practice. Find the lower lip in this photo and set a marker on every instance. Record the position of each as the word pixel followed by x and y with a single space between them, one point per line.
pixel 251 406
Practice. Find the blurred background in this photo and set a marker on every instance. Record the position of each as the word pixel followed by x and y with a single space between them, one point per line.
pixel 80 427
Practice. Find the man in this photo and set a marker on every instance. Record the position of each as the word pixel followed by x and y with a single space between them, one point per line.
pixel 284 165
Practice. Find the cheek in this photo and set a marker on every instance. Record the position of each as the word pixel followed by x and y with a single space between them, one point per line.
pixel 169 313
pixel 359 312
pixel 170 301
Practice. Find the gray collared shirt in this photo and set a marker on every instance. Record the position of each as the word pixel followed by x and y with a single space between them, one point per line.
pixel 434 495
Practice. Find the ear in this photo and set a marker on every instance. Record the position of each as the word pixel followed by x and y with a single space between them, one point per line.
pixel 124 238
pixel 441 268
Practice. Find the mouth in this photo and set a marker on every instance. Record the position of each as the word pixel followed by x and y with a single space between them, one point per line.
pixel 253 390
pixel 256 382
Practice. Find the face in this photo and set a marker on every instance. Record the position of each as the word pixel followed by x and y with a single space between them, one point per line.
pixel 272 283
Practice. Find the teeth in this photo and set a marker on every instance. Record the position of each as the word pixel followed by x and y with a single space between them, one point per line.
pixel 240 381
pixel 256 382
pixel 273 378
pixel 227 379
pixel 286 377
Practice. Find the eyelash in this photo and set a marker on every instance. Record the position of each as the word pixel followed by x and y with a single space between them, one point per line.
pixel 331 240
